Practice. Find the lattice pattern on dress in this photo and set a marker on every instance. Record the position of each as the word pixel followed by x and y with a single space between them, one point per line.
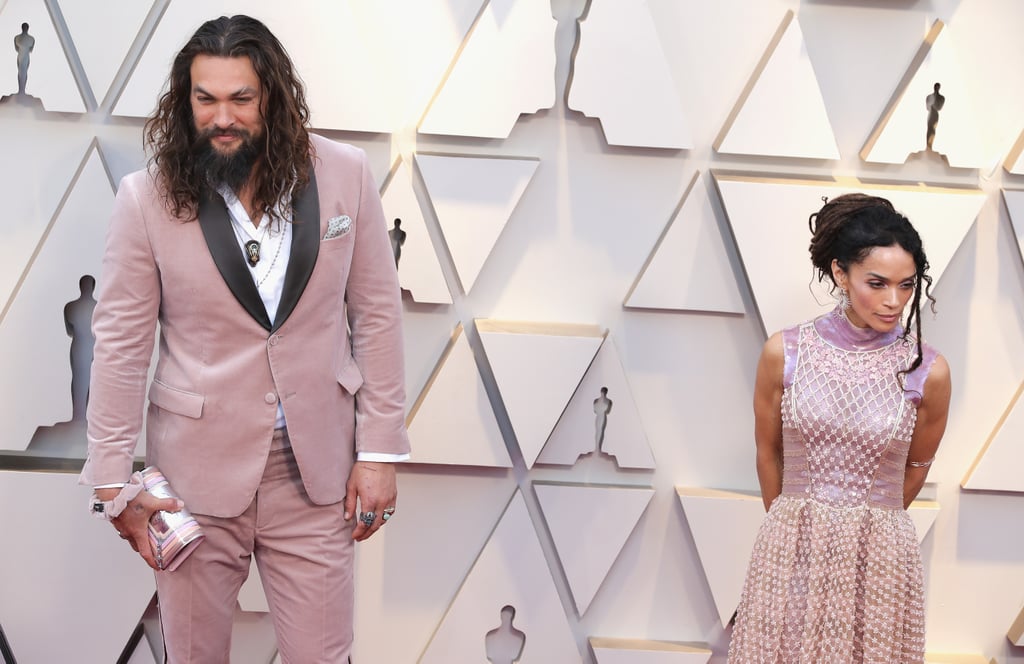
pixel 848 407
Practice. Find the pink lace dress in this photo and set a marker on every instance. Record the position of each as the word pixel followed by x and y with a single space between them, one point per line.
pixel 835 575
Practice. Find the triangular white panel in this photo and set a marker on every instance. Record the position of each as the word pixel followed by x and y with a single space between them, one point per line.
pixel 923 513
pixel 252 637
pixel 902 131
pixel 589 526
pixel 473 198
pixel 34 344
pixel 1016 631
pixel 783 113
pixel 419 271
pixel 638 651
pixel 251 597
pixel 401 597
pixel 602 415
pixel 39 175
pixel 620 76
pixel 48 591
pixel 374 66
pixel 537 369
pixel 452 421
pixel 773 244
pixel 1015 161
pixel 49 74
pixel 143 653
pixel 103 33
pixel 511 571
pixel 506 68
pixel 1015 206
pixel 997 467
pixel 724 553
pixel 688 269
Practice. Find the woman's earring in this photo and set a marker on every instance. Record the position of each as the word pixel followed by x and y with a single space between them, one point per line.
pixel 844 299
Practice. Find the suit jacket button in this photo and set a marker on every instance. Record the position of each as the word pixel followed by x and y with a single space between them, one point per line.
pixel 273 340
pixel 270 397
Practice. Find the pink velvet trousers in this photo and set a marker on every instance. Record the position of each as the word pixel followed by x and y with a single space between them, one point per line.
pixel 304 553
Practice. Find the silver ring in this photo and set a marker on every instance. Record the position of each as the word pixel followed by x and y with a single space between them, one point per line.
pixel 386 515
pixel 367 518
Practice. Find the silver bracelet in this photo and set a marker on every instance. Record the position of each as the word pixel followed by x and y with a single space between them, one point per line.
pixel 920 464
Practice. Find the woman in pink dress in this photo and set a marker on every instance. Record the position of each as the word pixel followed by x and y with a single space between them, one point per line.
pixel 849 410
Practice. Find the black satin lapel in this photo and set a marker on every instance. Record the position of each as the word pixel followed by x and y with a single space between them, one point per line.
pixel 305 246
pixel 216 225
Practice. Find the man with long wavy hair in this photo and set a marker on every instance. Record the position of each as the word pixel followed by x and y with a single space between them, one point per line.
pixel 277 406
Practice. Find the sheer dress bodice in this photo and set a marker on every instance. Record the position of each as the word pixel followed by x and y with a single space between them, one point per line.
pixel 846 421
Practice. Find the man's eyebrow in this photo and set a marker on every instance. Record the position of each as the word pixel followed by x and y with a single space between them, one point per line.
pixel 241 92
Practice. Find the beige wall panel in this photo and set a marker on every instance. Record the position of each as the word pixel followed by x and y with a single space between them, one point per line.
pixel 49 74
pixel 503 70
pixel 589 525
pixel 997 467
pixel 473 198
pixel 57 565
pixel 419 270
pixel 402 48
pixel 537 370
pixel 511 570
pixel 620 76
pixel 34 345
pixel 41 158
pixel 688 269
pixel 902 130
pixel 444 519
pixel 452 422
pixel 103 33
pixel 782 112
pixel 637 651
pixel 601 424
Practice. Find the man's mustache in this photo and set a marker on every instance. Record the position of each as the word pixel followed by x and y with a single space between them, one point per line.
pixel 208 134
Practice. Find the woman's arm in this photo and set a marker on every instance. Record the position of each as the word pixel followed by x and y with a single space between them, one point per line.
pixel 768 418
pixel 932 414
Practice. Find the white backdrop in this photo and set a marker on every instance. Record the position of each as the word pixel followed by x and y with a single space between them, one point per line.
pixel 569 252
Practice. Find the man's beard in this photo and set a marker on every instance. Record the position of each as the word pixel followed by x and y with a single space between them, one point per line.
pixel 230 169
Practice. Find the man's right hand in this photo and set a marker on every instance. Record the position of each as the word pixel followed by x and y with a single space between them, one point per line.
pixel 133 522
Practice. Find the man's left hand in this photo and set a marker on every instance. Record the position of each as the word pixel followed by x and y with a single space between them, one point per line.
pixel 374 485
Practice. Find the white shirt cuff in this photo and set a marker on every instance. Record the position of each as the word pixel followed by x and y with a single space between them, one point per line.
pixel 380 457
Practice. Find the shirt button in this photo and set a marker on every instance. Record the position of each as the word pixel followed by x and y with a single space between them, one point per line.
pixel 270 397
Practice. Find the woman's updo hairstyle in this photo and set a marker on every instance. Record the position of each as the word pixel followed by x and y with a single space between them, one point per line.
pixel 848 227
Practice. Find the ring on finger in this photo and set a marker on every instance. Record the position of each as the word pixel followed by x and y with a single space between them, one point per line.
pixel 367 518
pixel 388 513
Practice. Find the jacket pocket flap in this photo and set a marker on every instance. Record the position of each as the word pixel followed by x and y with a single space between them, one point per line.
pixel 350 377
pixel 177 401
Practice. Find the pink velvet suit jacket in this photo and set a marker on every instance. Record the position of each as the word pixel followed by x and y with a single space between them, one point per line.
pixel 333 355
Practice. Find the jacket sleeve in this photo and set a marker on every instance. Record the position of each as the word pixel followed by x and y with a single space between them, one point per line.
pixel 375 320
pixel 124 325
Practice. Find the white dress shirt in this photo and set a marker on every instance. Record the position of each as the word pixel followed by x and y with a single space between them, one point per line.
pixel 268 273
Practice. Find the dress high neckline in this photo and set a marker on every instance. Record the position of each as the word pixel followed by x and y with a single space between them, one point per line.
pixel 836 329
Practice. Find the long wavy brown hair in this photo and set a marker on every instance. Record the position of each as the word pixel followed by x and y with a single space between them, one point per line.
pixel 284 146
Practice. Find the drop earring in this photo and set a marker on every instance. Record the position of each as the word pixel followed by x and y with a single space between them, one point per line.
pixel 844 300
